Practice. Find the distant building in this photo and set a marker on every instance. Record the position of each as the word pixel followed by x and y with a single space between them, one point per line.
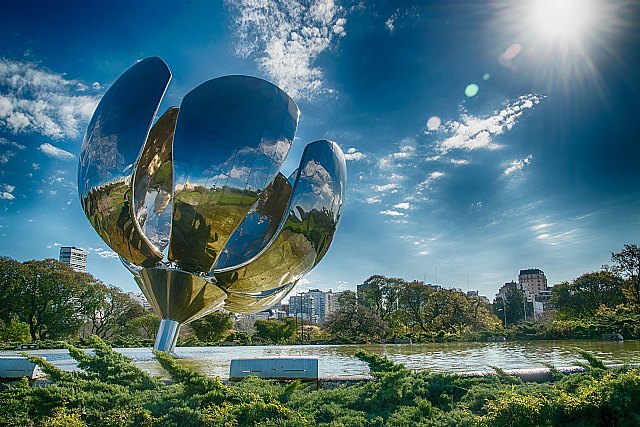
pixel 140 299
pixel 533 282
pixel 332 304
pixel 75 258
pixel 502 292
pixel 302 306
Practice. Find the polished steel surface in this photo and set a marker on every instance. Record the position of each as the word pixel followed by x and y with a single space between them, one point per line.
pixel 153 181
pixel 202 185
pixel 303 239
pixel 115 134
pixel 180 295
pixel 232 135
pixel 167 336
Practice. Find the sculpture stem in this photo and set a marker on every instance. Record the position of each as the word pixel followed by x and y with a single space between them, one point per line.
pixel 167 336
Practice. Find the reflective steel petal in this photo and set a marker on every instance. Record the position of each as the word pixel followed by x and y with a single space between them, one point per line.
pixel 114 138
pixel 232 135
pixel 303 239
pixel 153 181
pixel 258 227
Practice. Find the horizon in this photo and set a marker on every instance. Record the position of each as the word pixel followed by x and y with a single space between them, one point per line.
pixel 482 138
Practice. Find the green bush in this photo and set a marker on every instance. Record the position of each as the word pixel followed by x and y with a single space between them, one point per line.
pixel 111 391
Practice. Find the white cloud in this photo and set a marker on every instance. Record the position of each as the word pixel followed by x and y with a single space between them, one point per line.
pixel 353 154
pixel 392 213
pixel 37 100
pixel 4 141
pixel 539 227
pixel 55 152
pixel 372 200
pixel 403 205
pixel 5 192
pixel 286 37
pixel 4 158
pixel 433 176
pixel 107 254
pixel 385 187
pixel 517 165
pixel 459 162
pixel 475 133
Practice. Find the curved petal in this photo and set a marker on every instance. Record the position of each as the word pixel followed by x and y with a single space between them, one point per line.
pixel 313 215
pixel 114 138
pixel 258 228
pixel 255 302
pixel 231 138
pixel 153 181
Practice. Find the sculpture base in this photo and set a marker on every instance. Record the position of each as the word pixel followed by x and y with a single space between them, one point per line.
pixel 167 336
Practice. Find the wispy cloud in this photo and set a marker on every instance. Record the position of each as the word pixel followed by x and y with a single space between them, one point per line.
pixel 403 205
pixel 476 133
pixel 353 154
pixel 386 187
pixel 392 213
pixel 286 37
pixel 36 100
pixel 517 165
pixel 4 141
pixel 6 191
pixel 433 176
pixel 55 152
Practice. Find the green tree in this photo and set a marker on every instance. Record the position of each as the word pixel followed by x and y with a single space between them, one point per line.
pixel 48 299
pixel 108 310
pixel 14 331
pixel 583 296
pixel 353 320
pixel 627 265
pixel 144 326
pixel 380 294
pixel 213 327
pixel 276 330
pixel 511 308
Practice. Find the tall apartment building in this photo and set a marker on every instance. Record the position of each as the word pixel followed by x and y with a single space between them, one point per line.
pixel 533 282
pixel 75 258
pixel 502 292
pixel 303 306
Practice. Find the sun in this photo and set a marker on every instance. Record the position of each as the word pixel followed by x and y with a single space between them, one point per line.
pixel 561 21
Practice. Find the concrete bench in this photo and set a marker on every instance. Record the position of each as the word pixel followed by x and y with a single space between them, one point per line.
pixel 276 368
pixel 12 367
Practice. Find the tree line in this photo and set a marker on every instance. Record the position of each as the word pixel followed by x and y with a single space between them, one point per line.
pixel 47 300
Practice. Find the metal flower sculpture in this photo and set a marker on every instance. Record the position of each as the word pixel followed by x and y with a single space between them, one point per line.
pixel 194 204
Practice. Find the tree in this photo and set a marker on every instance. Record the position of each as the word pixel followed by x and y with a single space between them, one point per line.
pixel 48 299
pixel 627 265
pixel 276 330
pixel 511 308
pixel 144 326
pixel 108 310
pixel 213 327
pixel 583 296
pixel 353 320
pixel 380 294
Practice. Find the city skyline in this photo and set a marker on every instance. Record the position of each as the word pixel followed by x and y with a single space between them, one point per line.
pixel 481 139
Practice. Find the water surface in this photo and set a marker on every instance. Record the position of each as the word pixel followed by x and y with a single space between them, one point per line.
pixel 339 360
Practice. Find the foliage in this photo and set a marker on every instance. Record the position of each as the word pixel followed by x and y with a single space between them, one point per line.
pixel 353 321
pixel 110 391
pixel 276 330
pixel 14 330
pixel 583 296
pixel 627 265
pixel 511 308
pixel 212 327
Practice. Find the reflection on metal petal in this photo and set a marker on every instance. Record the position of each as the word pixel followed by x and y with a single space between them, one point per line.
pixel 255 302
pixel 117 130
pixel 153 181
pixel 232 135
pixel 302 241
pixel 258 227
pixel 179 295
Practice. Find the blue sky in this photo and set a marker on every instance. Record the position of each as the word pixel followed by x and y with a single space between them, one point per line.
pixel 482 137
